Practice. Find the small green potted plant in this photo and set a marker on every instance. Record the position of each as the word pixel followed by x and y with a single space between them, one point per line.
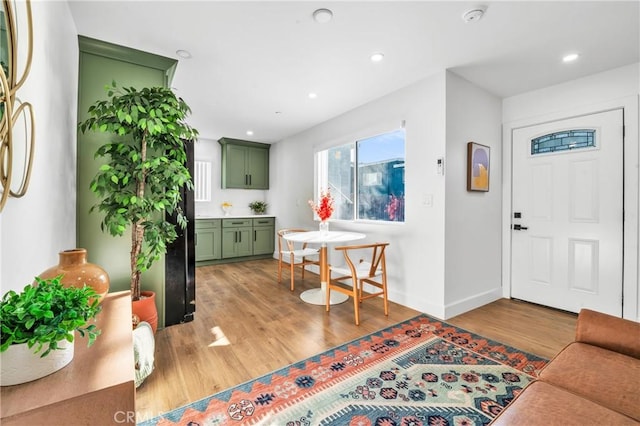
pixel 38 326
pixel 258 207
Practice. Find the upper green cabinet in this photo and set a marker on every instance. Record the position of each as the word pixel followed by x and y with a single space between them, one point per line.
pixel 245 164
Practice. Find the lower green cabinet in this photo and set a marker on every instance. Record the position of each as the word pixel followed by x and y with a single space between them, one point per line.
pixel 224 240
pixel 237 238
pixel 208 239
pixel 263 235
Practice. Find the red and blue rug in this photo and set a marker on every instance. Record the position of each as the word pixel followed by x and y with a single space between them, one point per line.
pixel 419 372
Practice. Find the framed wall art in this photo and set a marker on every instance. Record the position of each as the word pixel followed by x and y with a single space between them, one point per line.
pixel 478 165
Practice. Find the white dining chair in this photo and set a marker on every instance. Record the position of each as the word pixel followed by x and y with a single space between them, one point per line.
pixel 298 254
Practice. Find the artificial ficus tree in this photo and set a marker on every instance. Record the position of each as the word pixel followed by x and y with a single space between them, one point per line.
pixel 144 169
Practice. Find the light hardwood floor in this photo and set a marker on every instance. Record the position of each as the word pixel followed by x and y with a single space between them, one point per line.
pixel 247 325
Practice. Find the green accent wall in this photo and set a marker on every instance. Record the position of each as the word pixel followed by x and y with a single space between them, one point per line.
pixel 100 64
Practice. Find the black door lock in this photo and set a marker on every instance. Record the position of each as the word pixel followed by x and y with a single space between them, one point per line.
pixel 518 227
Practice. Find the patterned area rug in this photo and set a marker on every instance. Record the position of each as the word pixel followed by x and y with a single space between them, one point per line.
pixel 419 372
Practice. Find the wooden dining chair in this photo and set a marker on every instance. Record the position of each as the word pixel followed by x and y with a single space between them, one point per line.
pixel 370 268
pixel 298 254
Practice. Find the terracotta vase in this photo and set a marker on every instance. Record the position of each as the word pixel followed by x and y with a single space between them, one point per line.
pixel 76 272
pixel 145 309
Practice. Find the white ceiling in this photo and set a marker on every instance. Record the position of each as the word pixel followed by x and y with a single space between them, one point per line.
pixel 254 63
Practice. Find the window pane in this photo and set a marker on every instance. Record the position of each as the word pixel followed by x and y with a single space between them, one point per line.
pixel 371 188
pixel 381 177
pixel 563 141
pixel 340 174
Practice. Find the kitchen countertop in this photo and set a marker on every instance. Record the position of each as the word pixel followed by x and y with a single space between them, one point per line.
pixel 233 216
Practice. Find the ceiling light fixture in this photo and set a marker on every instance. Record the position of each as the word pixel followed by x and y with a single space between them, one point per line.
pixel 184 54
pixel 475 14
pixel 570 57
pixel 322 16
pixel 312 95
pixel 377 57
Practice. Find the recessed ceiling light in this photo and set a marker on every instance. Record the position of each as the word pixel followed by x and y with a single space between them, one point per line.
pixel 312 95
pixel 322 16
pixel 377 57
pixel 184 54
pixel 249 132
pixel 570 57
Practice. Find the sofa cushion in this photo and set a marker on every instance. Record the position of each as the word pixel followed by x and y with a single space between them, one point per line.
pixel 543 404
pixel 609 332
pixel 603 376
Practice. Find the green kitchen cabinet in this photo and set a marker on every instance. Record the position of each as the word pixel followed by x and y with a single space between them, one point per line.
pixel 245 164
pixel 234 239
pixel 208 239
pixel 263 235
pixel 237 238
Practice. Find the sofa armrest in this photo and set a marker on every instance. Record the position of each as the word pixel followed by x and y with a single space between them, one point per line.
pixel 608 332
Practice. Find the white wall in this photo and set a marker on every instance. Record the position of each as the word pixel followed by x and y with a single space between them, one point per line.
pixel 433 264
pixel 473 219
pixel 33 229
pixel 617 88
pixel 415 257
pixel 210 150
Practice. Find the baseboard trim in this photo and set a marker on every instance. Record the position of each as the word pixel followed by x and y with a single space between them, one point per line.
pixel 472 302
pixel 419 303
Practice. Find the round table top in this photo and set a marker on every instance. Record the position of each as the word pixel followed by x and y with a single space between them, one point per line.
pixel 324 237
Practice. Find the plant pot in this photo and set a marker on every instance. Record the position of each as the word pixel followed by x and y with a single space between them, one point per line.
pixel 20 364
pixel 76 272
pixel 145 309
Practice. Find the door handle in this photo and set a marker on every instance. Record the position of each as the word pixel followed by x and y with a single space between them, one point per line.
pixel 518 227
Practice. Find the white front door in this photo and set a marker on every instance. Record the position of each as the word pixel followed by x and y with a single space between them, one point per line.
pixel 567 213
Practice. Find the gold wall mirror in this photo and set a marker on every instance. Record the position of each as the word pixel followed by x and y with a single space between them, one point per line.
pixel 17 139
pixel 5 43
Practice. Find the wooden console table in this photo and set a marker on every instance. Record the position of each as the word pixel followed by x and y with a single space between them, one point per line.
pixel 97 387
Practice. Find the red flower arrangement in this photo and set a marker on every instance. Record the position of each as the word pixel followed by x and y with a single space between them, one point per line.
pixel 324 208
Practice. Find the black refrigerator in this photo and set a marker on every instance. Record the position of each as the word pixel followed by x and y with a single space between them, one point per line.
pixel 180 261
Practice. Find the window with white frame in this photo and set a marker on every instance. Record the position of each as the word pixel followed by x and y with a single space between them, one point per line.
pixel 366 177
pixel 202 181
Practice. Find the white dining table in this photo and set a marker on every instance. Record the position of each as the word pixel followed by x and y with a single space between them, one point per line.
pixel 317 296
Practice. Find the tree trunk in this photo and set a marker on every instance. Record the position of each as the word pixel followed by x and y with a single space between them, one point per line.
pixel 137 235
pixel 137 232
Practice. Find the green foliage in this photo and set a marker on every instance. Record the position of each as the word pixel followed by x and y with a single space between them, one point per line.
pixel 258 206
pixel 46 313
pixel 144 170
